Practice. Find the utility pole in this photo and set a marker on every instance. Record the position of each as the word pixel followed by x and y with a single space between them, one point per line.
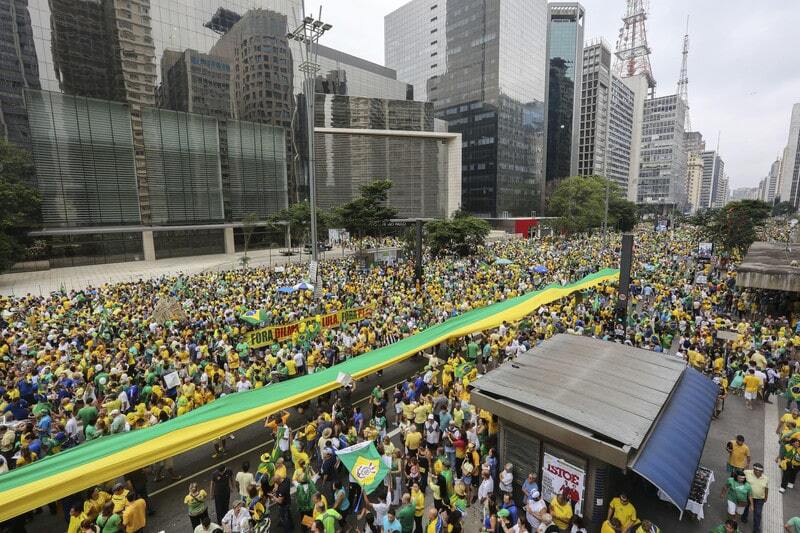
pixel 307 34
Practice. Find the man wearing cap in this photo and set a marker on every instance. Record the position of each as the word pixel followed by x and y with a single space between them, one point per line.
pixel 119 497
pixel 535 509
pixel 759 484
pixel 432 433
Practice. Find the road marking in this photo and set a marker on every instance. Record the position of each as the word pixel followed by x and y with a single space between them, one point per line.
pixel 772 514
pixel 246 452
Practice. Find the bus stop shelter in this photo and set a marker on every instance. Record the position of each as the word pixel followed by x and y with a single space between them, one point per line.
pixel 584 412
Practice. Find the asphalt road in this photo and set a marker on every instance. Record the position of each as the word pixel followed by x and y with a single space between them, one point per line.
pixel 197 465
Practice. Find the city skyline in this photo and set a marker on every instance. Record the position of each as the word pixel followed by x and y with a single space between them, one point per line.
pixel 751 106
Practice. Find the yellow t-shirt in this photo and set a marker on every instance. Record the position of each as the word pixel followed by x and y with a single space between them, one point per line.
pixel 413 439
pixel 624 512
pixel 562 514
pixel 751 383
pixel 738 455
pixel 607 528
pixel 785 419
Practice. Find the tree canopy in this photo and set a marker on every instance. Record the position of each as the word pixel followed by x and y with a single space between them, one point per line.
pixel 298 217
pixel 783 208
pixel 733 227
pixel 20 203
pixel 461 235
pixel 367 215
pixel 579 204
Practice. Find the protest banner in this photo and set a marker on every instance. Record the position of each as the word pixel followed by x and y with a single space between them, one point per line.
pixel 265 336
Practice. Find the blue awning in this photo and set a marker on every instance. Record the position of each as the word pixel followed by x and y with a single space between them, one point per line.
pixel 671 454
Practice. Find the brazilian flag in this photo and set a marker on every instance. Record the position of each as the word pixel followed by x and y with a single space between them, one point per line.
pixel 254 317
pixel 365 464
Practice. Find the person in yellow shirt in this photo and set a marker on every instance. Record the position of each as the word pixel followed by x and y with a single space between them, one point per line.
pixel 612 525
pixel 623 510
pixel 76 518
pixel 738 454
pixel 751 386
pixel 561 510
pixel 783 423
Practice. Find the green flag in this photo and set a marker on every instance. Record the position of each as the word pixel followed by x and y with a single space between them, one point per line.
pixel 365 464
pixel 276 452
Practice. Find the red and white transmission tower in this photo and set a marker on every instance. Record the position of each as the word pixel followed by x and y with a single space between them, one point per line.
pixel 683 81
pixel 633 52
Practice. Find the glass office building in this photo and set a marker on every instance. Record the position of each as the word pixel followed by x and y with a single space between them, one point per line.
pixel 488 83
pixel 417 166
pixel 565 69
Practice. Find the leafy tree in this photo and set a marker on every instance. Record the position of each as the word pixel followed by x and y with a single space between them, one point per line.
pixel 702 218
pixel 298 218
pixel 462 235
pixel 735 226
pixel 367 215
pixel 783 208
pixel 20 212
pixel 579 203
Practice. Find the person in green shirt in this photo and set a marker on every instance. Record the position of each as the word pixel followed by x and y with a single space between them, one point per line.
pixel 730 526
pixel 739 494
pixel 472 350
pixel 405 514
pixel 87 415
pixel 108 520
pixel 793 525
pixel 329 518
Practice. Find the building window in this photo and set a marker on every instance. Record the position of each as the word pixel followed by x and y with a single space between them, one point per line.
pixel 434 19
pixel 434 54
pixel 434 65
pixel 434 6
pixel 433 30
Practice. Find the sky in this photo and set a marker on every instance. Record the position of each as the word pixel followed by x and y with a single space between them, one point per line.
pixel 744 67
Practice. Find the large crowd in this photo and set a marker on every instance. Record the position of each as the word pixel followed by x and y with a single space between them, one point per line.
pixel 81 365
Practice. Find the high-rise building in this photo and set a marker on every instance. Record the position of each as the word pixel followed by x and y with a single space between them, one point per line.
pixel 195 82
pixel 722 195
pixel 713 171
pixel 360 140
pixel 772 179
pixel 744 193
pixel 639 86
pixel 415 43
pixel 353 76
pixel 694 144
pixel 790 166
pixel 606 119
pixel 694 179
pixel 257 49
pixel 565 69
pixel 492 92
pixel 662 169
pixel 19 69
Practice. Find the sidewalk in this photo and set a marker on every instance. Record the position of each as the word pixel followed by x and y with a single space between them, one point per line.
pixel 75 278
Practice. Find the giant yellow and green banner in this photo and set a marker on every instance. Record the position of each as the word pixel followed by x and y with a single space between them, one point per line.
pixel 98 461
pixel 270 334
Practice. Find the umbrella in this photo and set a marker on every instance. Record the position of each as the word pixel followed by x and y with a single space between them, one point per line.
pixel 502 261
pixel 541 269
pixel 303 285
pixel 287 290
pixel 649 267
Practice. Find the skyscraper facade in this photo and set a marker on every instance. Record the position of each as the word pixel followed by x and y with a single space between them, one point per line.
pixel 492 92
pixel 348 159
pixel 790 167
pixel 19 69
pixel 713 181
pixel 415 43
pixel 662 167
pixel 694 180
pixel 565 69
pixel 606 119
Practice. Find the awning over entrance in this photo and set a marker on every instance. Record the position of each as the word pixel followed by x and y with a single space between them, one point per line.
pixel 671 453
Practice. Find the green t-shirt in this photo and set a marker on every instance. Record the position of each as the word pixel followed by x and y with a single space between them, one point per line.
pixel 87 415
pixel 795 524
pixel 112 524
pixel 329 519
pixel 738 492
pixel 472 350
pixel 405 515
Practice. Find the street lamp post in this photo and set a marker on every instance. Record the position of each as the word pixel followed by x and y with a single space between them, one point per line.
pixel 307 33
